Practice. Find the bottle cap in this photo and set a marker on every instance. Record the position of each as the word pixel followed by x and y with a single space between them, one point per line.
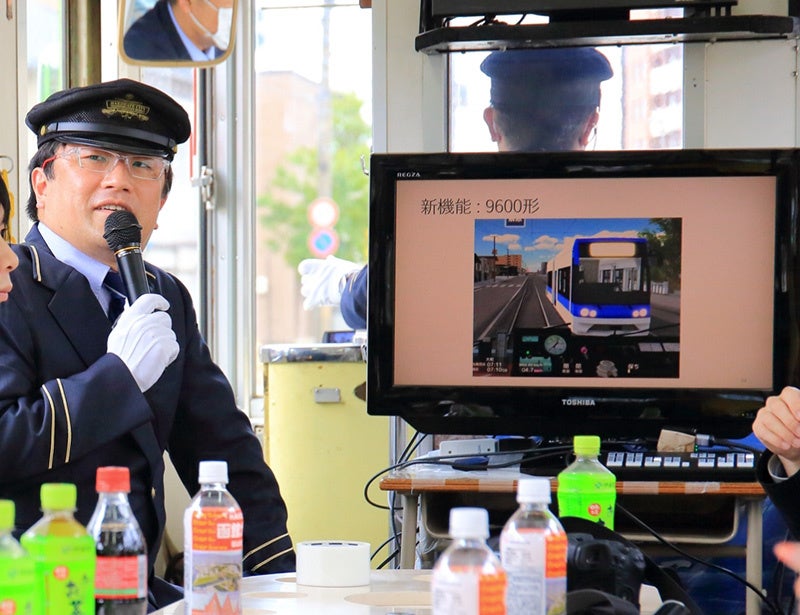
pixel 113 478
pixel 213 472
pixel 469 522
pixel 7 511
pixel 586 445
pixel 58 496
pixel 534 490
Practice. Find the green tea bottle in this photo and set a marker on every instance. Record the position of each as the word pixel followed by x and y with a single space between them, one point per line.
pixel 586 488
pixel 63 553
pixel 16 569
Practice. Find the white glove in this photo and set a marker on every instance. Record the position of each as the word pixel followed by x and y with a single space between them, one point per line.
pixel 143 338
pixel 322 280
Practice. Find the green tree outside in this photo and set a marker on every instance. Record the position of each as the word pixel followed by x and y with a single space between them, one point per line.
pixel 284 208
pixel 664 250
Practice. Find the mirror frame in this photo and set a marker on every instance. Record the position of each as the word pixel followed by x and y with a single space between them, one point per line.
pixel 126 20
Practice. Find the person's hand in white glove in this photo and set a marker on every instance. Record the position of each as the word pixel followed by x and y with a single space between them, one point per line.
pixel 143 338
pixel 322 280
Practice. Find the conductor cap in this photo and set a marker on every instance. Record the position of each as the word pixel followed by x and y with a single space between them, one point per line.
pixel 122 115
pixel 528 78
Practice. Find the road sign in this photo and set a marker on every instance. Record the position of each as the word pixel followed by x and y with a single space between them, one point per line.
pixel 323 212
pixel 323 242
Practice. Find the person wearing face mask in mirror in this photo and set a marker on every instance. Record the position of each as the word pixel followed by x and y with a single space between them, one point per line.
pixel 181 30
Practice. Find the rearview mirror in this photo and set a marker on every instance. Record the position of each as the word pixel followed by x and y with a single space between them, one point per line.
pixel 194 33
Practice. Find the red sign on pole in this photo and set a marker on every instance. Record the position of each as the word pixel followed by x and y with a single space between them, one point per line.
pixel 323 213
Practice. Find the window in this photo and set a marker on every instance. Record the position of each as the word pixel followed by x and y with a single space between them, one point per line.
pixel 641 106
pixel 175 244
pixel 313 127
pixel 45 50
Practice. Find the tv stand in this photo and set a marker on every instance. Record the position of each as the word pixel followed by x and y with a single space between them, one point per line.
pixel 435 493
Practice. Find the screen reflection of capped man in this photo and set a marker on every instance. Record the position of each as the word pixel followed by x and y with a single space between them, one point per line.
pixel 181 30
pixel 79 388
pixel 541 100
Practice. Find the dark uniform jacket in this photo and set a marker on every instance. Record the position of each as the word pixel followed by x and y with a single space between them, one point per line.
pixel 785 495
pixel 354 300
pixel 67 407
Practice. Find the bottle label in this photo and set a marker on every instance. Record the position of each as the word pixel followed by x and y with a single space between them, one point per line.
pixel 213 564
pixel 17 586
pixel 65 569
pixel 121 577
pixel 492 594
pixel 557 545
pixel 16 600
pixel 590 496
pixel 535 560
pixel 465 591
pixel 588 506
pixel 217 528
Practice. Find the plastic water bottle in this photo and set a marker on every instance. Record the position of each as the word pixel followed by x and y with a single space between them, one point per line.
pixel 586 488
pixel 533 552
pixel 17 579
pixel 212 527
pixel 468 578
pixel 63 553
pixel 120 586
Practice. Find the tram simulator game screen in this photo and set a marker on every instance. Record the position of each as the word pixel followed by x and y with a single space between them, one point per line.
pixel 580 292
pixel 577 297
pixel 630 280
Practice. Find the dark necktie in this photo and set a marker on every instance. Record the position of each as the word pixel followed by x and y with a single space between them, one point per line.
pixel 113 282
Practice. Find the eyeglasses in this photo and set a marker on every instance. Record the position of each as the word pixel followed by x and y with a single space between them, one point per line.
pixel 103 161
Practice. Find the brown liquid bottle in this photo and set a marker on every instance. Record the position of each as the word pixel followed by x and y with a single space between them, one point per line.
pixel 121 574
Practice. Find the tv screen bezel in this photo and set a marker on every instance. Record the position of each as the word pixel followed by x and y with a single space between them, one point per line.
pixel 542 411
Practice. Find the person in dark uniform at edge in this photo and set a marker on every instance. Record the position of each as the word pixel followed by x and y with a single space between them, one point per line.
pixel 181 30
pixel 77 391
pixel 777 426
pixel 541 100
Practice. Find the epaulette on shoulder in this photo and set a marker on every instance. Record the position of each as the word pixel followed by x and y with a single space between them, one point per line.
pixel 36 269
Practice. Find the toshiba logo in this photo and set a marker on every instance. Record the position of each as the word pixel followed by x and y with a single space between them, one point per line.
pixel 408 174
pixel 577 401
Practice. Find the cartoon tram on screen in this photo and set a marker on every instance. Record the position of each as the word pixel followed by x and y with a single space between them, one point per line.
pixel 601 285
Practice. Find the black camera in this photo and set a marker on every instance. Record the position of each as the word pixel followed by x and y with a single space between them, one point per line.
pixel 606 565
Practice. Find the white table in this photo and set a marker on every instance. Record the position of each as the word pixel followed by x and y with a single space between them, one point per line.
pixel 390 592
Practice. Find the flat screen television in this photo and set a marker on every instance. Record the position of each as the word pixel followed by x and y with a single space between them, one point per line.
pixel 612 293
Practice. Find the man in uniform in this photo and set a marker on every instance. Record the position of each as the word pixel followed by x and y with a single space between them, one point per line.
pixel 79 391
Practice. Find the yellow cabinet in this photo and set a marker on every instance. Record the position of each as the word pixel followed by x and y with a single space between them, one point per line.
pixel 322 445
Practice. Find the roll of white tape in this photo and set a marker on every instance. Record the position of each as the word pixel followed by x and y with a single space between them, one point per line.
pixel 331 563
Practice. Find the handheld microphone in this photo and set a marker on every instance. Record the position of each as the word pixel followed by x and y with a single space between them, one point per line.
pixel 123 233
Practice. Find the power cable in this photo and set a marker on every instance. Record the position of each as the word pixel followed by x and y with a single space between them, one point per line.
pixel 767 601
